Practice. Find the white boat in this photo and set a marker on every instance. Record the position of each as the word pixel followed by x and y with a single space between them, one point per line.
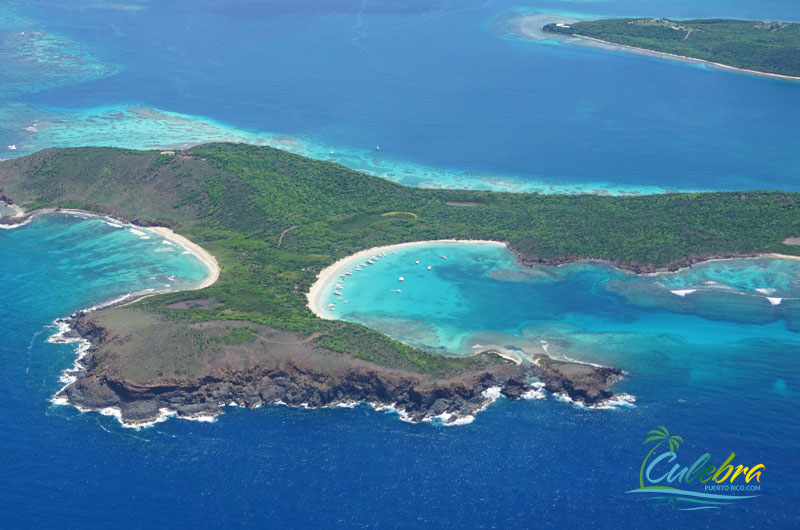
pixel 357 268
pixel 339 286
pixel 401 279
pixel 396 290
pixel 337 293
pixel 417 262
pixel 443 256
pixel 12 147
pixel 429 267
pixel 370 262
pixel 363 264
pixel 349 273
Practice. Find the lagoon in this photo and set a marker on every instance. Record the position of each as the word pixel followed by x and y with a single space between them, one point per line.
pixel 458 297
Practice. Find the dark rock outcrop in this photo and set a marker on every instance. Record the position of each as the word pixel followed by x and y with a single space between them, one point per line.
pixel 296 382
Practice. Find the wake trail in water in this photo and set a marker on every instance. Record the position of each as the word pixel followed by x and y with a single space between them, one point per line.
pixel 360 35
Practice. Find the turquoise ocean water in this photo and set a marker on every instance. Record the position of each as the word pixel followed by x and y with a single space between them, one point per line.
pixel 441 87
pixel 476 293
pixel 453 100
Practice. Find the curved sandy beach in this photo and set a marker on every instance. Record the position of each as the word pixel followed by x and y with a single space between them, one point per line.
pixel 328 274
pixel 196 250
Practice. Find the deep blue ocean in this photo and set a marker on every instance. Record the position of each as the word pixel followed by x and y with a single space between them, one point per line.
pixel 452 100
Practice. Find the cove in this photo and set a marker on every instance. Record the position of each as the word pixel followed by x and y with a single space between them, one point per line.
pixel 460 298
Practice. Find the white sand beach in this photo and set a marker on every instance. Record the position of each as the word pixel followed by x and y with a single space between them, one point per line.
pixel 779 256
pixel 328 274
pixel 199 252
pixel 196 250
pixel 316 294
pixel 530 26
pixel 18 210
pixel 686 58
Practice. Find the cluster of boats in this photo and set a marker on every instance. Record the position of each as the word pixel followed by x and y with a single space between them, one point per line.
pixel 337 289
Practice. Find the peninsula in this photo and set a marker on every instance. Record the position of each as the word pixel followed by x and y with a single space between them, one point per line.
pixel 274 220
pixel 770 48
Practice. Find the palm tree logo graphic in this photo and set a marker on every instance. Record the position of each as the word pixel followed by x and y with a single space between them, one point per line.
pixel 662 436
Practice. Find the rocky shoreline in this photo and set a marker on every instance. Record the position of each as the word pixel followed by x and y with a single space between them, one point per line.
pixel 95 385
pixel 23 216
pixel 637 268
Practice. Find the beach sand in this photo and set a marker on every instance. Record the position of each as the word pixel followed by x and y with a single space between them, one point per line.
pixel 685 58
pixel 780 256
pixel 196 250
pixel 530 26
pixel 328 274
pixel 18 211
pixel 199 252
pixel 499 350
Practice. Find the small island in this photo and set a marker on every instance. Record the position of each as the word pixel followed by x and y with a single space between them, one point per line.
pixel 770 48
pixel 274 220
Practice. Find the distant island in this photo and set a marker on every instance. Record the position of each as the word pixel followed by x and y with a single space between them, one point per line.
pixel 274 220
pixel 760 47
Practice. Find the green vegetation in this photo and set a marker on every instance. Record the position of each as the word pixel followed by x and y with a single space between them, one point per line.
pixel 239 336
pixel 237 200
pixel 770 47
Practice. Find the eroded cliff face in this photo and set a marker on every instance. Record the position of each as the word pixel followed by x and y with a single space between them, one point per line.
pixel 296 373
pixel 583 383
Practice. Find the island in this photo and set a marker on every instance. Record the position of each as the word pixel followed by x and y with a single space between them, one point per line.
pixel 769 48
pixel 274 220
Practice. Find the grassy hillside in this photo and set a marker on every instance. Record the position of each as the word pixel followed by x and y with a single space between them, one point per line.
pixel 237 200
pixel 771 47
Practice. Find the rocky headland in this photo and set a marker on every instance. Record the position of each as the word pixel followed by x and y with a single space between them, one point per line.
pixel 280 367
